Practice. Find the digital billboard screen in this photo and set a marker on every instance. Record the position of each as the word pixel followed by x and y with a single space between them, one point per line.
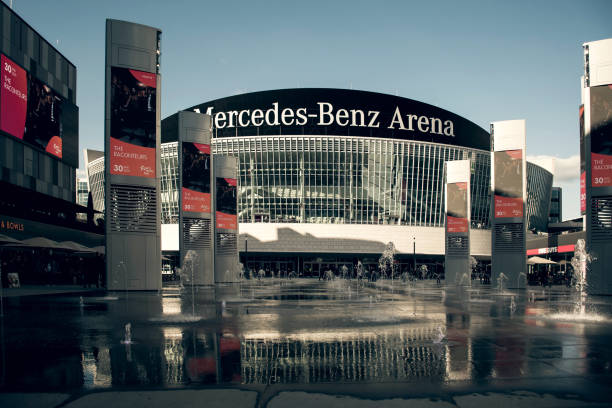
pixel 196 177
pixel 29 109
pixel 508 183
pixel 601 136
pixel 133 122
pixel 582 163
pixel 456 210
pixel 226 211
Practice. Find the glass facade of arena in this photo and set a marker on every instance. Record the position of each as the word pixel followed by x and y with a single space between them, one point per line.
pixel 356 180
pixel 169 191
pixel 353 180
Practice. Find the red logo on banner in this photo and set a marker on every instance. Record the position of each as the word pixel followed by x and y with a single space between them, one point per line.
pixel 508 207
pixel 231 181
pixel 515 154
pixel 204 148
pixel 583 192
pixel 226 221
pixel 455 224
pixel 130 160
pixel 195 201
pixel 146 78
pixel 55 146
pixel 601 170
pixel 14 96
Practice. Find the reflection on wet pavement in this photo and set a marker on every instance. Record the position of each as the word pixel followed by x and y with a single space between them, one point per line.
pixel 303 332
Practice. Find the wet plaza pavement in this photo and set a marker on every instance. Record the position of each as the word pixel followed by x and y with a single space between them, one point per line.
pixel 308 343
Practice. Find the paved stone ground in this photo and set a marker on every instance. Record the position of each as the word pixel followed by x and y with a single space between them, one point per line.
pixel 308 343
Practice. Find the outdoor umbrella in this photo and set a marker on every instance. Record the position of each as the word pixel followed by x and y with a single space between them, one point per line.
pixel 536 260
pixel 74 246
pixel 41 242
pixel 5 240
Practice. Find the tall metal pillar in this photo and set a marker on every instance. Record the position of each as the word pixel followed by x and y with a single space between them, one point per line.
pixel 195 210
pixel 132 159
pixel 597 94
pixel 458 219
pixel 226 219
pixel 508 192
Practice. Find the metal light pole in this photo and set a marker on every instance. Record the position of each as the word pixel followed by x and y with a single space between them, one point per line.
pixel 246 253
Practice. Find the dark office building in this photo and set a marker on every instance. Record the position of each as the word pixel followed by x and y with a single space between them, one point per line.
pixel 39 144
pixel 556 202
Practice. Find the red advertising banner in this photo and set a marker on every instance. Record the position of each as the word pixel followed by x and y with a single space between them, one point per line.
pixel 133 123
pixel 454 224
pixel 508 198
pixel 195 201
pixel 55 146
pixel 127 159
pixel 508 207
pixel 601 136
pixel 456 207
pixel 145 78
pixel 226 221
pixel 601 170
pixel 196 177
pixel 551 250
pixel 203 148
pixel 582 162
pixel 583 193
pixel 14 97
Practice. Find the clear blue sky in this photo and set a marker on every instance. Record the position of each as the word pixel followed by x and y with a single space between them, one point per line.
pixel 484 60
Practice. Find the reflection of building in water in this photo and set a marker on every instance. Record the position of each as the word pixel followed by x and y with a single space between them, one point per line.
pixel 369 356
pixel 173 355
pixel 171 305
pixel 96 368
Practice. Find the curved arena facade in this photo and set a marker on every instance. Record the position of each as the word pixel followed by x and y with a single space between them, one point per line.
pixel 329 175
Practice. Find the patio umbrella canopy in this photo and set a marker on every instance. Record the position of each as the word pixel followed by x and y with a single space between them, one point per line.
pixel 41 242
pixel 536 260
pixel 5 240
pixel 75 246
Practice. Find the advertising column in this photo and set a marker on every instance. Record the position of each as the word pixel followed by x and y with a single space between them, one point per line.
pixel 457 232
pixel 508 188
pixel 132 161
pixel 226 219
pixel 195 215
pixel 597 99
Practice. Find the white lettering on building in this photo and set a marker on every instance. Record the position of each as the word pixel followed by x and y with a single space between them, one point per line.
pixel 328 115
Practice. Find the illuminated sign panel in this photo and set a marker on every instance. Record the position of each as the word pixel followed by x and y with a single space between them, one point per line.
pixel 29 109
pixel 601 136
pixel 508 183
pixel 196 177
pixel 226 212
pixel 582 164
pixel 456 218
pixel 133 126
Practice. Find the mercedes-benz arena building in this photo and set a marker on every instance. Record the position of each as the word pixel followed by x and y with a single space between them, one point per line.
pixel 329 177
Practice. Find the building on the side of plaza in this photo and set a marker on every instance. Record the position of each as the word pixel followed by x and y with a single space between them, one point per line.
pixel 39 142
pixel 82 192
pixel 94 170
pixel 556 202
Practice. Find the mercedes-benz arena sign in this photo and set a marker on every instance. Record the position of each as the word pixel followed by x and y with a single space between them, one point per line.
pixel 321 111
